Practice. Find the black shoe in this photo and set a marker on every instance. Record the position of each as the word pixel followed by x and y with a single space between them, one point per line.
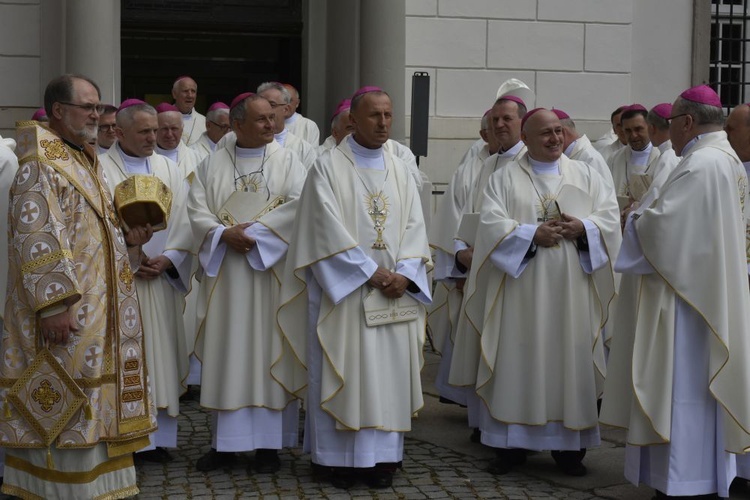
pixel 214 460
pixel 343 478
pixel 447 401
pixel 320 472
pixel 378 478
pixel 505 459
pixel 158 455
pixel 266 461
pixel 476 436
pixel 569 462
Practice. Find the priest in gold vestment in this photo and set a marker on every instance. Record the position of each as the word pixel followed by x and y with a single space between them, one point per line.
pixel 70 289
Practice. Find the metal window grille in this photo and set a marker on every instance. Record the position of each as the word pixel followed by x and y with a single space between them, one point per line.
pixel 729 73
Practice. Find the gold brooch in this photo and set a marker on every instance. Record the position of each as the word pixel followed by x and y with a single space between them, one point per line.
pixel 54 149
pixel 126 276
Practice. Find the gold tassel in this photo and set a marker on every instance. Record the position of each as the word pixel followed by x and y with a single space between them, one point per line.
pixel 88 412
pixel 50 462
pixel 6 410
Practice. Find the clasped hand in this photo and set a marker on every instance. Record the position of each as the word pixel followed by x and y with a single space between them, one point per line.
pixel 139 235
pixel 236 238
pixel 549 233
pixel 58 328
pixel 392 285
pixel 153 268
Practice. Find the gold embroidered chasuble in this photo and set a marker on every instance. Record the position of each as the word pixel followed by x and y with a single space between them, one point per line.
pixel 238 341
pixel 532 345
pixel 66 247
pixel 370 375
pixel 707 189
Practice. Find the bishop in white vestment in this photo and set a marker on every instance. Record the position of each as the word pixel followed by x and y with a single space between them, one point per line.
pixel 359 233
pixel 162 280
pixel 185 92
pixel 547 224
pixel 678 377
pixel 243 355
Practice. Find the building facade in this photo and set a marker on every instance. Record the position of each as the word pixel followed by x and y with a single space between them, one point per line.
pixel 584 56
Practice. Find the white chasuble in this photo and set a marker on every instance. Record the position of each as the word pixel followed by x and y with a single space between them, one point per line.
pixel 537 369
pixel 238 341
pixel 686 311
pixel 369 375
pixel 193 125
pixel 624 167
pixel 162 299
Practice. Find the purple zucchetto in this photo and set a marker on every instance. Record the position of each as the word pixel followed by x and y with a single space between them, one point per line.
pixel 513 98
pixel 663 110
pixel 366 90
pixel 702 94
pixel 529 115
pixel 39 114
pixel 217 105
pixel 343 106
pixel 130 102
pixel 240 98
pixel 165 107
pixel 562 115
pixel 636 107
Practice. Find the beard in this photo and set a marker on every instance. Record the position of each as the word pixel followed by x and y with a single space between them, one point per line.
pixel 86 133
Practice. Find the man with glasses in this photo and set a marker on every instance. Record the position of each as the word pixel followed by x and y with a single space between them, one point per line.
pixel 217 126
pixel 678 377
pixel 164 274
pixel 280 100
pixel 242 206
pixel 71 270
pixel 106 135
pixel 185 93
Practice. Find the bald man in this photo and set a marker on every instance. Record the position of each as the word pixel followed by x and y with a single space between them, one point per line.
pixel 547 226
pixel 185 93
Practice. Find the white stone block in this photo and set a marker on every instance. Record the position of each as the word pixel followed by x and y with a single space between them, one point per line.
pixel 608 48
pixel 19 79
pixel 587 11
pixel 591 96
pixel 453 43
pixel 19 30
pixel 421 8
pixel 533 45
pixel 488 9
pixel 443 157
pixel 407 79
pixel 472 92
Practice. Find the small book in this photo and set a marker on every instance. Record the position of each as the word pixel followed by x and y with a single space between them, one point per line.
pixel 574 201
pixel 244 206
pixel 639 185
pixel 381 310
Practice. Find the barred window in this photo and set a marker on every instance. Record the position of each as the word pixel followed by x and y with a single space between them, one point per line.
pixel 728 73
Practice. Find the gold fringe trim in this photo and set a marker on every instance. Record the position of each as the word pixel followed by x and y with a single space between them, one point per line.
pixel 127 447
pixel 126 492
pixel 15 491
pixel 57 476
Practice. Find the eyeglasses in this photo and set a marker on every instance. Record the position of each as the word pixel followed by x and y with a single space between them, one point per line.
pixel 669 120
pixel 105 128
pixel 223 128
pixel 89 108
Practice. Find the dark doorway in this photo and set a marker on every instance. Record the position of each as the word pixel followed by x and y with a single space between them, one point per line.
pixel 227 46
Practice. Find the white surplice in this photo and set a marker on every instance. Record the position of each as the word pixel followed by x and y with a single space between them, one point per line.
pixel 304 128
pixel 193 125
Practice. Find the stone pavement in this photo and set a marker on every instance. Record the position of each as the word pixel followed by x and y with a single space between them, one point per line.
pixel 439 462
